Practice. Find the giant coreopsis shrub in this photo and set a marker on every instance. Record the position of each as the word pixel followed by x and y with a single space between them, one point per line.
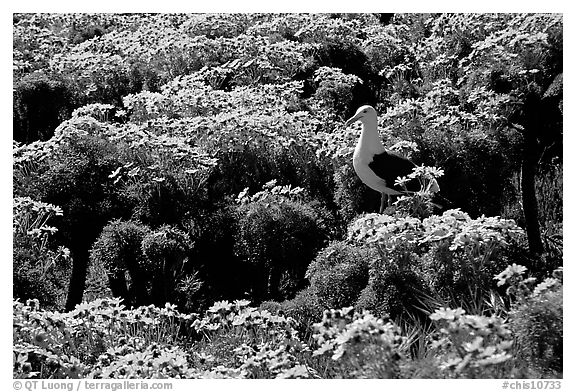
pixel 41 270
pixel 278 235
pixel 453 254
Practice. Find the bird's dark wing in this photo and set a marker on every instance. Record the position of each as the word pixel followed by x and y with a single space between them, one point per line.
pixel 389 166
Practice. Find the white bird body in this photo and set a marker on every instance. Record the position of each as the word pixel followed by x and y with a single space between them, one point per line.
pixel 369 145
pixel 376 167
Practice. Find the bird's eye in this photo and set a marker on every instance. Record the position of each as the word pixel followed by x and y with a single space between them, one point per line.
pixel 364 111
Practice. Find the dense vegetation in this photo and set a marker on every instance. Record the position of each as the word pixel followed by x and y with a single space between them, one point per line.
pixel 185 203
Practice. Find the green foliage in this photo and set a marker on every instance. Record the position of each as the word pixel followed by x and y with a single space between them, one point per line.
pixel 39 270
pixel 306 308
pixel 536 319
pixel 213 255
pixel 393 292
pixel 339 273
pixel 118 251
pixel 472 346
pixel 454 255
pixel 166 251
pixel 334 90
pixel 362 346
pixel 40 103
pixel 278 238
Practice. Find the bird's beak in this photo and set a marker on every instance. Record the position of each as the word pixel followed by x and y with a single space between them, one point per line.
pixel 352 119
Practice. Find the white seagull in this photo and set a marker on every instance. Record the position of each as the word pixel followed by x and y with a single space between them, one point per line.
pixel 377 167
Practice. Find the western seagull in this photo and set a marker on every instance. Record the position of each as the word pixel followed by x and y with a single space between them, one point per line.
pixel 377 167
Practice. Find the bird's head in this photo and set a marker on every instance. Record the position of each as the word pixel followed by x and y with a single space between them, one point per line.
pixel 364 114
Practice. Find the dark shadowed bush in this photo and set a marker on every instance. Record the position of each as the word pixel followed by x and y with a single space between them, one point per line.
pixel 166 251
pixel 279 239
pixel 118 250
pixel 32 282
pixel 40 104
pixel 158 203
pixel 339 273
pixel 145 266
pixel 351 60
pixel 477 173
pixel 223 273
pixel 76 179
pixel 252 167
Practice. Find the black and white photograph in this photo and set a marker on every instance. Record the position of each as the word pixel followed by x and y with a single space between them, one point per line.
pixel 310 195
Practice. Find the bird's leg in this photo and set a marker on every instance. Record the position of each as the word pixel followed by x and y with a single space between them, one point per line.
pixel 383 202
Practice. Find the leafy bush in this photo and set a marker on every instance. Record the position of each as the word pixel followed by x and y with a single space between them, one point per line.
pixel 394 292
pixel 252 167
pixel 334 90
pixel 479 173
pixel 166 251
pixel 362 346
pixel 454 254
pixel 306 308
pixel 339 273
pixel 472 346
pixel 40 271
pixel 71 170
pixel 41 103
pixel 146 266
pixel 536 318
pixel 118 250
pixel 77 179
pixel 278 238
pixel 537 326
pixel 30 282
pixel 223 274
pixel 95 77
